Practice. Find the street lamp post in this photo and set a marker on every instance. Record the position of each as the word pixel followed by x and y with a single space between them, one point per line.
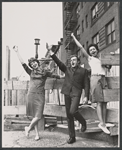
pixel 37 43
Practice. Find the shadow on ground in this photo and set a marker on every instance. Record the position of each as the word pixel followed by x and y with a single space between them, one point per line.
pixel 48 139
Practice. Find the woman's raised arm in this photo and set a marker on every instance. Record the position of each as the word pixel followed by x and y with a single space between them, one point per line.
pixel 80 46
pixel 17 52
pixel 27 69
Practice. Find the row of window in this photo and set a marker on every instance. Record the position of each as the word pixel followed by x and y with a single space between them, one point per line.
pixel 95 9
pixel 86 23
pixel 94 13
pixel 110 34
pixel 78 14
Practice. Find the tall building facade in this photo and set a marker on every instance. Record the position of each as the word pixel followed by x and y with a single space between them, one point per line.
pixel 91 22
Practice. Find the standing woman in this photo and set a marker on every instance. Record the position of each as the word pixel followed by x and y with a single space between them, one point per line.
pixel 97 81
pixel 36 93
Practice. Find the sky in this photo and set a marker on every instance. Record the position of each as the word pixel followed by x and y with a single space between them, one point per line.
pixel 22 22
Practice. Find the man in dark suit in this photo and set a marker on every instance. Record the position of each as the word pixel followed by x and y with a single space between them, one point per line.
pixel 76 79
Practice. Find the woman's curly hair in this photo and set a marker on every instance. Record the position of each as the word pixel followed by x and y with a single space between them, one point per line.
pixel 95 45
pixel 31 60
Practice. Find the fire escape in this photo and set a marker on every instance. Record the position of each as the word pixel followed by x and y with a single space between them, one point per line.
pixel 70 23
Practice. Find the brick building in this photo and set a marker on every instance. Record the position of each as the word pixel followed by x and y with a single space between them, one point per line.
pixel 91 22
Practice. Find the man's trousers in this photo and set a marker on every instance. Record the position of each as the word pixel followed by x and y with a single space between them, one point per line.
pixel 71 104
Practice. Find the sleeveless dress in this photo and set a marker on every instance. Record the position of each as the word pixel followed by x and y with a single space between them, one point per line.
pixel 36 93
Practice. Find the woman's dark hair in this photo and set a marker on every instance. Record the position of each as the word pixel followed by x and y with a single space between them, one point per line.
pixel 31 60
pixel 95 45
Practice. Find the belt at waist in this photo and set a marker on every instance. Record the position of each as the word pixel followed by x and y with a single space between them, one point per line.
pixel 34 92
pixel 97 75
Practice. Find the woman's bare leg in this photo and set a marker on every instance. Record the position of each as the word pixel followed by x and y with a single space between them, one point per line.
pixel 99 113
pixel 32 124
pixel 37 132
pixel 104 111
pixel 102 124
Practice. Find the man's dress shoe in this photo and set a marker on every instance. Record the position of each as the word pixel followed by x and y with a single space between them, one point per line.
pixel 71 140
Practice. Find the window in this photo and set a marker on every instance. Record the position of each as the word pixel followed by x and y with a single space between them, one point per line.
pixel 95 11
pixel 110 30
pixel 108 4
pixel 86 21
pixel 95 39
pixel 87 44
pixel 82 25
pixel 78 32
pixel 79 52
pixel 78 10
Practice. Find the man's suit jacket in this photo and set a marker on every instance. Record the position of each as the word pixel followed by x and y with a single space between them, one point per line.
pixel 74 81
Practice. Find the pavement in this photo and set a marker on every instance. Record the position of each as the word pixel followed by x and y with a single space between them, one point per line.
pixel 49 139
